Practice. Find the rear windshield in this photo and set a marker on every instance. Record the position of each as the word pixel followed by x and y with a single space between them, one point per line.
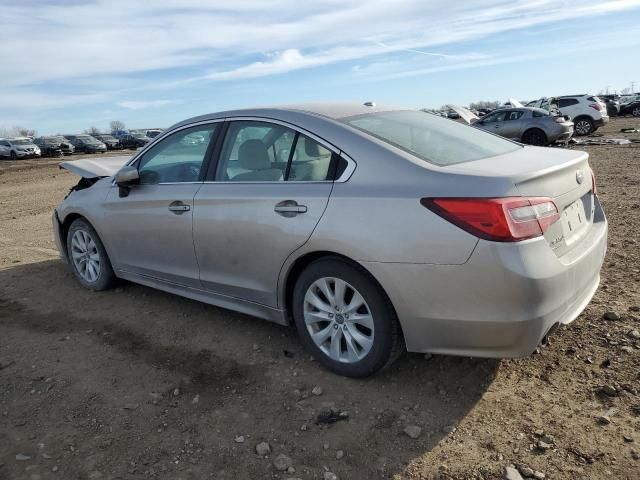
pixel 433 139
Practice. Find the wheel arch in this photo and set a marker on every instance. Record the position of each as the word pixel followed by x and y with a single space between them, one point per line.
pixel 65 224
pixel 530 129
pixel 302 262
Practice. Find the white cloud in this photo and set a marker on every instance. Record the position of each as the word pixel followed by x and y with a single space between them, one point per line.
pixel 100 45
pixel 141 104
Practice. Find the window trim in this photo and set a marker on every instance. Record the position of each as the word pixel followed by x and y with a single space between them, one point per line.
pixel 213 157
pixel 213 166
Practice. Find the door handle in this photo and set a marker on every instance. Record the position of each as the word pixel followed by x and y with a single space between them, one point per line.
pixel 289 208
pixel 178 207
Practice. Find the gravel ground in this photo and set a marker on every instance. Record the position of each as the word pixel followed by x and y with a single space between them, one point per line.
pixel 134 383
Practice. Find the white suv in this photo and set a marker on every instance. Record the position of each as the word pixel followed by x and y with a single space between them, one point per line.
pixel 14 148
pixel 587 112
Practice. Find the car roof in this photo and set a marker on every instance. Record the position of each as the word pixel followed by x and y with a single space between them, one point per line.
pixel 334 111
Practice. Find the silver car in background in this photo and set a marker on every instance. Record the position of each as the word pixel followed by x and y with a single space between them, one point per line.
pixel 373 230
pixel 533 126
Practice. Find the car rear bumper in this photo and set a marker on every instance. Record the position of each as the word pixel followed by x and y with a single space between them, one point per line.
pixel 601 121
pixel 501 303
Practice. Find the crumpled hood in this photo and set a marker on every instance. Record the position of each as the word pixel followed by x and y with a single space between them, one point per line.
pixel 96 167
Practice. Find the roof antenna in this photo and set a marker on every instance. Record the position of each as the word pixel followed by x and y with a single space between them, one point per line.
pixel 369 104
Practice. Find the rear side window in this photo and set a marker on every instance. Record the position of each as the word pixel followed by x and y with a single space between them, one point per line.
pixel 266 152
pixel 567 102
pixel 515 115
pixel 435 140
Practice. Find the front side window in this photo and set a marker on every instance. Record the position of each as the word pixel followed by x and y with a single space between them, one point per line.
pixel 495 117
pixel 177 158
pixel 256 151
pixel 435 140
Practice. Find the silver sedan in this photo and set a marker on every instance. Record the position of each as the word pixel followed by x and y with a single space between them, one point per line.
pixel 533 126
pixel 371 230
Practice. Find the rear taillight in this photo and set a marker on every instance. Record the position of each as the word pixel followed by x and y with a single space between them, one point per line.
pixel 497 219
pixel 596 106
pixel 593 184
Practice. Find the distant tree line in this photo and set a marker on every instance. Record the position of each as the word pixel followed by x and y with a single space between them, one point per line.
pixel 17 131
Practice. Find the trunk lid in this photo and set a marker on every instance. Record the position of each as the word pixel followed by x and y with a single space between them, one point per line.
pixel 562 175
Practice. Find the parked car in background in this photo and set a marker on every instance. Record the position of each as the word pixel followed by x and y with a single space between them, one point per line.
pixel 533 126
pixel 153 133
pixel 612 102
pixel 65 145
pixel 631 107
pixel 21 147
pixel 86 143
pixel 133 140
pixel 49 146
pixel 110 141
pixel 428 235
pixel 587 112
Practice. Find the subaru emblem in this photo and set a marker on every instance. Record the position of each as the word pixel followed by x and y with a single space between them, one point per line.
pixel 579 176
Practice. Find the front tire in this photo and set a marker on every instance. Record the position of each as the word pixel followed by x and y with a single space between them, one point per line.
pixel 88 258
pixel 636 111
pixel 345 319
pixel 583 126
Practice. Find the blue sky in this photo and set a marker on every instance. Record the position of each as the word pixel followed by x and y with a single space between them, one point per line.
pixel 72 64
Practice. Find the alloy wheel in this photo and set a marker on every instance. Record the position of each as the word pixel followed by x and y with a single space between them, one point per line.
pixel 636 112
pixel 85 256
pixel 583 127
pixel 338 320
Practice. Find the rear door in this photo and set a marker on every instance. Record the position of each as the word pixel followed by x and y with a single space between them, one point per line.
pixel 511 127
pixel 262 201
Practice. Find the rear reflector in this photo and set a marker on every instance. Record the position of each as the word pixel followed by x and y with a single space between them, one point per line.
pixel 508 219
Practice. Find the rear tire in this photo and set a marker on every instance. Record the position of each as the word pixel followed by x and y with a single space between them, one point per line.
pixel 88 258
pixel 352 329
pixel 535 136
pixel 13 155
pixel 583 126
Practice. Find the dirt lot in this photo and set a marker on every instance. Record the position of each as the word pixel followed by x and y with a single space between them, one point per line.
pixel 133 383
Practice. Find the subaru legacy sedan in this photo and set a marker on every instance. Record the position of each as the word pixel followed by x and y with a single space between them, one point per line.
pixel 371 230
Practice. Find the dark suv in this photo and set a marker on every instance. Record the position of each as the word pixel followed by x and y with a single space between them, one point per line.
pixel 110 141
pixel 133 140
pixel 86 143
pixel 49 146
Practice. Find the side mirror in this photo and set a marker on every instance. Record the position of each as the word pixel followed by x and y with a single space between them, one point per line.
pixel 126 176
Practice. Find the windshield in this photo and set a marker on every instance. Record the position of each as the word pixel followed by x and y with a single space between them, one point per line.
pixel 87 139
pixel 106 137
pixel 50 140
pixel 433 139
pixel 138 135
pixel 21 141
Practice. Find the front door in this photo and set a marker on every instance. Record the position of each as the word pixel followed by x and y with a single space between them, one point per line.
pixel 494 122
pixel 270 189
pixel 149 231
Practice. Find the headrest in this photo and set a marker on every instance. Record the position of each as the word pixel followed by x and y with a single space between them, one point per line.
pixel 253 155
pixel 311 148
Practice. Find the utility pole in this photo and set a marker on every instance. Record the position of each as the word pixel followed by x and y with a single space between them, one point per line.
pixel 633 86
